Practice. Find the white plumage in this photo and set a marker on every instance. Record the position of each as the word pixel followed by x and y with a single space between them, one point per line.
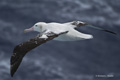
pixel 72 35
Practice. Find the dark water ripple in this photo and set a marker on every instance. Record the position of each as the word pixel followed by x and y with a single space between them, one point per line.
pixel 81 60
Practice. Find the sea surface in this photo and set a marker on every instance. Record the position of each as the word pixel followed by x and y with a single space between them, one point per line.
pixel 95 59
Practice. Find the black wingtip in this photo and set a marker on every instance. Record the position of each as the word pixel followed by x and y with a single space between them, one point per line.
pixel 11 73
pixel 110 32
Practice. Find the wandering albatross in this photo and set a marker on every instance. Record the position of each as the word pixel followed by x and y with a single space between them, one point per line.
pixel 49 31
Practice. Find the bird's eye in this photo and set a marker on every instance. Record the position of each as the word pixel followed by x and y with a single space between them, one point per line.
pixel 35 25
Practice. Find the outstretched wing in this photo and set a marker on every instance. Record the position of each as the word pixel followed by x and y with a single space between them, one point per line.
pixel 21 49
pixel 76 24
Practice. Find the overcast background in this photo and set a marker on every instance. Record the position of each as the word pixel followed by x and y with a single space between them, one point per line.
pixel 54 60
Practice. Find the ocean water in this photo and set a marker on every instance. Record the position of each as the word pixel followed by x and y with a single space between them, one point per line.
pixel 55 60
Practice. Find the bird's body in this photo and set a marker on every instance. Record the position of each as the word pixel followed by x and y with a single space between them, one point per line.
pixel 72 35
pixel 49 31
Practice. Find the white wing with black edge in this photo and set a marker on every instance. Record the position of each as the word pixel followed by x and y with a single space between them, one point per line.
pixel 21 49
pixel 76 24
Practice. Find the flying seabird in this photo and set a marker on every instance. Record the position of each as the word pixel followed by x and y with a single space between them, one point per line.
pixel 48 31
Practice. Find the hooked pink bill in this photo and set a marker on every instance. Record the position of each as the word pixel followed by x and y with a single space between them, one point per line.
pixel 28 30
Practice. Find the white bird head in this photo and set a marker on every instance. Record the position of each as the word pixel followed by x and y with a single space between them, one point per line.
pixel 37 27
